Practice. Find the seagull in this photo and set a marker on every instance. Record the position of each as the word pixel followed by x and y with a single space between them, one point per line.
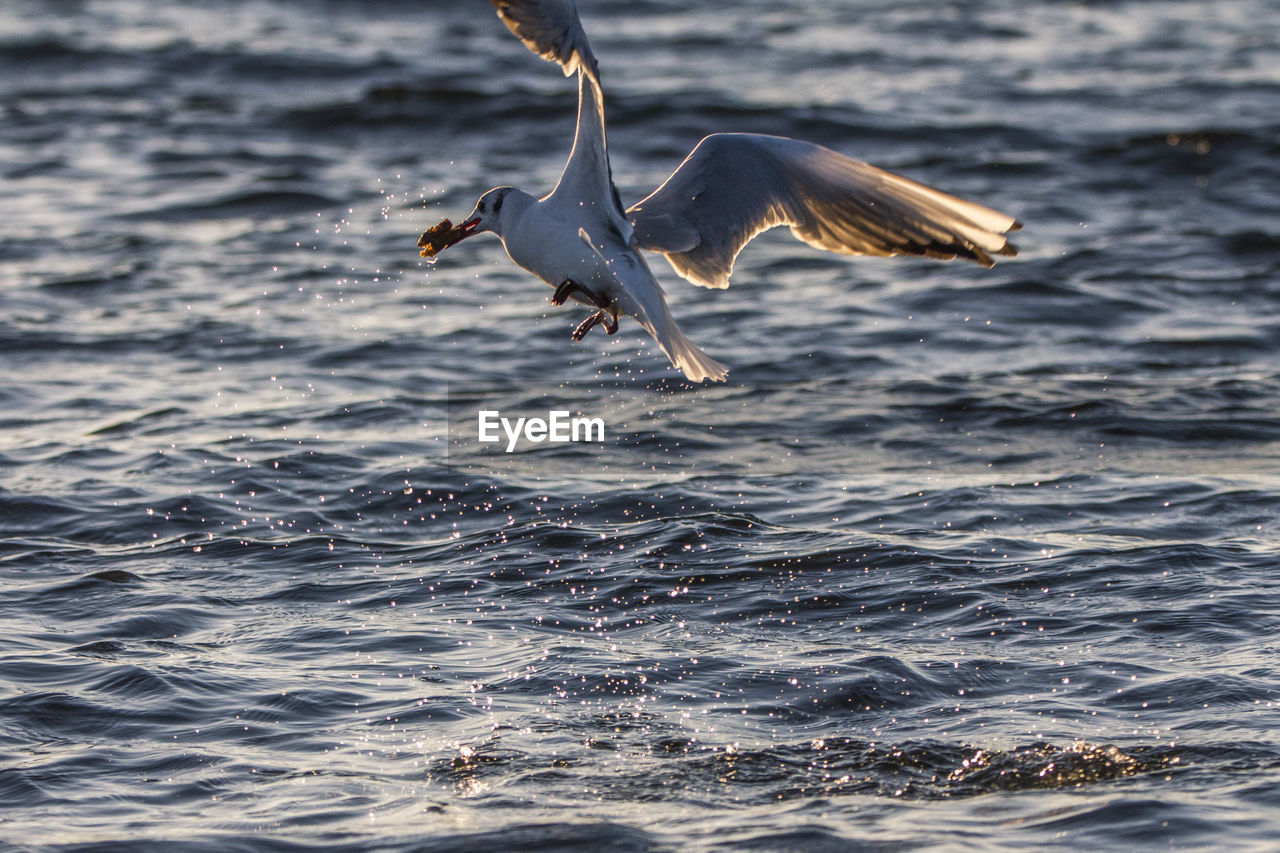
pixel 582 241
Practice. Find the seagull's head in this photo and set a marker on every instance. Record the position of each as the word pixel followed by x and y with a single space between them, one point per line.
pixel 492 208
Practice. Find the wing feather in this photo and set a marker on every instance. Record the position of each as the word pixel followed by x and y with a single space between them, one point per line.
pixel 552 30
pixel 733 186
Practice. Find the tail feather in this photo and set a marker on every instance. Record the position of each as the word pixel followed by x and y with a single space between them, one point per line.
pixel 696 364
pixel 649 308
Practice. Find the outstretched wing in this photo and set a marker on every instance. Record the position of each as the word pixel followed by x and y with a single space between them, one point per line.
pixel 733 186
pixel 551 29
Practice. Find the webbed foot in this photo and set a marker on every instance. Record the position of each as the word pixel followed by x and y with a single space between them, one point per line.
pixel 568 287
pixel 590 323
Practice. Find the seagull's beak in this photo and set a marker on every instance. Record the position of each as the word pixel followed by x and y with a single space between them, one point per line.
pixel 469 227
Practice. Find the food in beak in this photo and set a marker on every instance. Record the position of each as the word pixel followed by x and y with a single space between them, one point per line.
pixel 442 235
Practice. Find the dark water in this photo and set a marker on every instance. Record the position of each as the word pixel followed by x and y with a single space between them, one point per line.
pixel 958 559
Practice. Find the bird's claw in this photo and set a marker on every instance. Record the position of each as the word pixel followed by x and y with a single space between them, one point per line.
pixel 568 287
pixel 610 325
pixel 585 326
pixel 564 291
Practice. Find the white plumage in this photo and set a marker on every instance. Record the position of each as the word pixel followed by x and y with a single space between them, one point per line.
pixel 732 186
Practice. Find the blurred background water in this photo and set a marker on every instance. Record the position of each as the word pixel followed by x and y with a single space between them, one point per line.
pixel 957 559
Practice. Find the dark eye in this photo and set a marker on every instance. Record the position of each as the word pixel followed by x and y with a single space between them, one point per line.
pixel 481 206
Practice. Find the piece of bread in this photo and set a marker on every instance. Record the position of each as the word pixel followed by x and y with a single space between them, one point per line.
pixel 439 237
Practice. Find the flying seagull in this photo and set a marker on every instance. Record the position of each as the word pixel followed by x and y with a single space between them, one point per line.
pixel 582 241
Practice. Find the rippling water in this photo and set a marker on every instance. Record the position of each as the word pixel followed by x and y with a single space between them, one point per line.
pixel 958 558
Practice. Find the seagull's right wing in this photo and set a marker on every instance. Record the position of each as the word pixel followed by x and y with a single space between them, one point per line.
pixel 735 185
pixel 551 29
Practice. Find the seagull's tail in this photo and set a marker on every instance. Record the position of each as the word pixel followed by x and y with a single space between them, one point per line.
pixel 649 308
pixel 696 364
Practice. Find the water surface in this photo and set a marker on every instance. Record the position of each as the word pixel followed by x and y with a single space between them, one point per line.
pixel 958 558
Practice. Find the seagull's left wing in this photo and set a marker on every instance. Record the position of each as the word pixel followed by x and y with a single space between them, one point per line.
pixel 735 185
pixel 551 29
